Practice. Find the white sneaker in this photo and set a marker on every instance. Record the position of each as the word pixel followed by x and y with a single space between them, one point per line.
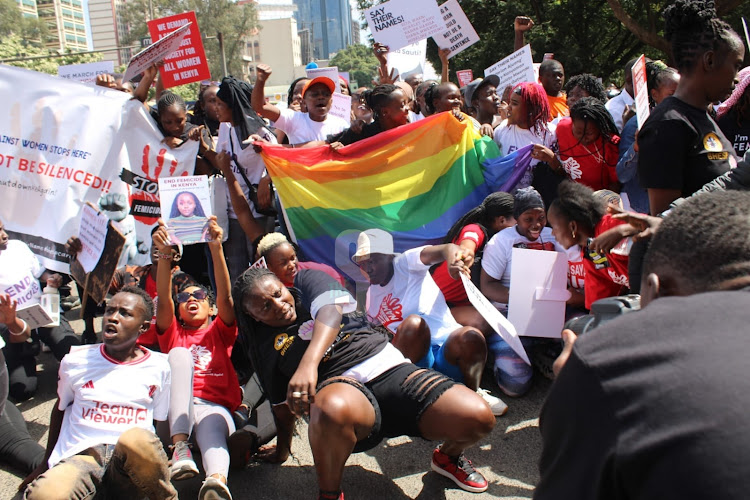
pixel 183 465
pixel 496 404
pixel 214 489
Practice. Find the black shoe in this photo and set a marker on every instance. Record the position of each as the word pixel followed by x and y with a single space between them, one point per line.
pixel 242 445
pixel 241 416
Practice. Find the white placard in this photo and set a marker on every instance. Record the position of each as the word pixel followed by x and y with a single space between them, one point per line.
pixel 341 106
pixel 641 90
pixel 398 23
pixel 409 60
pixel 747 35
pixel 155 52
pixel 259 264
pixel 331 72
pixel 34 315
pixel 492 316
pixel 93 234
pixel 459 34
pixel 185 207
pixel 516 68
pixel 86 73
pixel 538 292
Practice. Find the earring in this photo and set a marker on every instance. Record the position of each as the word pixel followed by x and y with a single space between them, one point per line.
pixel 574 235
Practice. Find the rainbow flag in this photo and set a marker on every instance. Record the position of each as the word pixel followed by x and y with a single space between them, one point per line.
pixel 414 181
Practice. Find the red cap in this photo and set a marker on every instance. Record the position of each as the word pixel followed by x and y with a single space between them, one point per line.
pixel 320 79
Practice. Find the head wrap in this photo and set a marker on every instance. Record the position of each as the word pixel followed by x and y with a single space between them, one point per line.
pixel 236 94
pixel 744 77
pixel 526 199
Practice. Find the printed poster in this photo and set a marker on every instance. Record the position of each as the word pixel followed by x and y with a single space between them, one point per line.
pixel 188 63
pixel 398 23
pixel 186 205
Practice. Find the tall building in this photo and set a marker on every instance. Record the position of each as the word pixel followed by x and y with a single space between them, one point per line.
pixel 276 44
pixel 108 30
pixel 274 9
pixel 329 23
pixel 65 21
pixel 28 8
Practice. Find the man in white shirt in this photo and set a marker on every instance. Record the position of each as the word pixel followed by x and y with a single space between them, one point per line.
pixel 616 106
pixel 101 437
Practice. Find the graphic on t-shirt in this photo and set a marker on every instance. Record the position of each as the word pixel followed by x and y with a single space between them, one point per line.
pixel 201 357
pixel 151 391
pixel 534 245
pixel 88 385
pixel 711 142
pixel 23 291
pixel 282 342
pixel 390 311
pixel 306 329
pixel 618 278
pixel 573 168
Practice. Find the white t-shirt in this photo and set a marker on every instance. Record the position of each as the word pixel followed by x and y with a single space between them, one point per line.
pixel 19 274
pixel 498 252
pixel 411 291
pixel 102 397
pixel 299 128
pixel 415 117
pixel 616 106
pixel 251 162
pixel 511 137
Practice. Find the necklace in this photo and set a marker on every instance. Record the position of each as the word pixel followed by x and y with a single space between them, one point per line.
pixel 596 154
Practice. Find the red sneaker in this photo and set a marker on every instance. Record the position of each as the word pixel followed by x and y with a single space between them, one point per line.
pixel 460 470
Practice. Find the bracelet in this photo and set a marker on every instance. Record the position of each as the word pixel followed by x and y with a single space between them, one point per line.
pixel 165 256
pixel 25 327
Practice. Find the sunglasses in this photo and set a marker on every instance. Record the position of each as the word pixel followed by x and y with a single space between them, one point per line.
pixel 199 294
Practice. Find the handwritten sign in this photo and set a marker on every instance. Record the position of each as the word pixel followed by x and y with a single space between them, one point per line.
pixel 538 292
pixel 34 315
pixel 96 283
pixel 342 107
pixel 331 72
pixel 188 62
pixel 641 90
pixel 409 60
pixel 516 68
pixel 154 53
pixel 465 76
pixel 492 316
pixel 398 23
pixel 85 73
pixel 93 233
pixel 458 34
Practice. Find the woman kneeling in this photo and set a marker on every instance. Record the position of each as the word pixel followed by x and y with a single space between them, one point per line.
pixel 315 356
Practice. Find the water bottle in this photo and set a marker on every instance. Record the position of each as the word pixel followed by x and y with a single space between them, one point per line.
pixel 50 302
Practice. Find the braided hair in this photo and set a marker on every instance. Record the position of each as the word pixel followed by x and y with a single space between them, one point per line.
pixel 378 97
pixel 590 109
pixel 577 202
pixel 693 28
pixel 434 93
pixel 590 84
pixel 498 204
pixel 290 92
pixel 537 105
pixel 169 99
pixel 656 73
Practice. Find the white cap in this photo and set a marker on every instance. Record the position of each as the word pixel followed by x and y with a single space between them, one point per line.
pixel 373 241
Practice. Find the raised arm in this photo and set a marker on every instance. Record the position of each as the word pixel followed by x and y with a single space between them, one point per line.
pixel 258 98
pixel 521 25
pixel 444 74
pixel 224 302
pixel 141 91
pixel 165 304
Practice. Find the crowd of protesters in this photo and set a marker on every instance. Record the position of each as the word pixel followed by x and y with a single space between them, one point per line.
pixel 230 355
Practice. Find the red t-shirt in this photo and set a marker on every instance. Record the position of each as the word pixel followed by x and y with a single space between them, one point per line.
pixel 321 267
pixel 607 281
pixel 453 290
pixel 592 165
pixel 214 378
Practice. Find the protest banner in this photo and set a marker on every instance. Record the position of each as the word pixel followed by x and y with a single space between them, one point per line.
pixel 188 63
pixel 465 76
pixel 538 292
pixel 642 109
pixel 92 233
pixel 155 52
pixel 97 282
pixel 331 72
pixel 342 107
pixel 398 23
pixel 409 60
pixel 458 34
pixel 86 73
pixel 147 159
pixel 516 68
pixel 186 204
pixel 55 155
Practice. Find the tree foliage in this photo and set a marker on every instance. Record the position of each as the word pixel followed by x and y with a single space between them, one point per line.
pixel 13 46
pixel 359 61
pixel 231 19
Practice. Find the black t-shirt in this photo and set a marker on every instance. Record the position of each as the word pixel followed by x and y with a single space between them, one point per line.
pixel 681 147
pixel 653 405
pixel 280 350
pixel 736 133
pixel 349 136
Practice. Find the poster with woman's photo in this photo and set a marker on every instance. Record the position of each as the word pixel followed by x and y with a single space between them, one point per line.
pixel 185 208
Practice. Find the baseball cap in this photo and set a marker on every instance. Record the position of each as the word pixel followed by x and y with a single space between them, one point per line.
pixel 472 87
pixel 320 79
pixel 373 241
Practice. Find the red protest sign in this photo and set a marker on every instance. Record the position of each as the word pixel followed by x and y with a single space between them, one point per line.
pixel 641 90
pixel 188 63
pixel 465 76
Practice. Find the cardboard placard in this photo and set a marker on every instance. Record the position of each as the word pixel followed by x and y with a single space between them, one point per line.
pixel 538 292
pixel 85 73
pixel 492 316
pixel 465 77
pixel 93 234
pixel 96 283
pixel 342 107
pixel 331 72
pixel 188 63
pixel 641 90
pixel 398 23
pixel 34 315
pixel 186 206
pixel 458 34
pixel 409 60
pixel 155 52
pixel 516 68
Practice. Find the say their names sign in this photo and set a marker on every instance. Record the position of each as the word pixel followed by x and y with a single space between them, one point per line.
pixel 398 23
pixel 459 34
pixel 516 68
pixel 188 63
pixel 641 90
pixel 154 53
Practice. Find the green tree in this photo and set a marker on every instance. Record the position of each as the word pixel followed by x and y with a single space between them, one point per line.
pixel 231 19
pixel 359 61
pixel 13 47
pixel 12 21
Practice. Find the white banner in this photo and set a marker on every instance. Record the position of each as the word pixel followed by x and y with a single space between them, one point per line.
pixel 55 155
pixel 86 73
